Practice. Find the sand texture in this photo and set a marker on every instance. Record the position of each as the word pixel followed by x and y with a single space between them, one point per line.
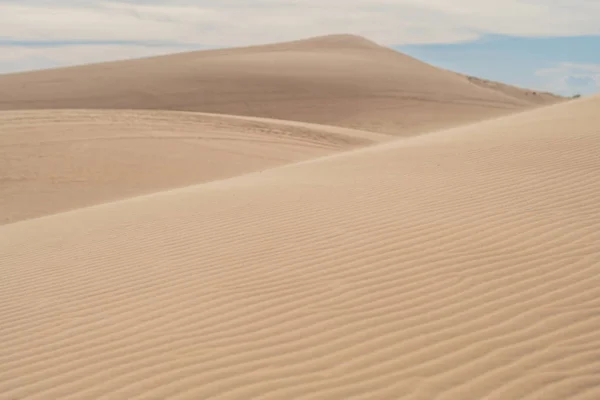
pixel 335 80
pixel 151 254
pixel 58 160
pixel 458 265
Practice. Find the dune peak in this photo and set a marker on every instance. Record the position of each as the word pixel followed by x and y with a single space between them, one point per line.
pixel 341 79
pixel 341 40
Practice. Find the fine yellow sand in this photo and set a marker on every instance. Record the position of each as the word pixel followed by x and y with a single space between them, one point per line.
pixel 458 264
pixel 335 80
pixel 58 160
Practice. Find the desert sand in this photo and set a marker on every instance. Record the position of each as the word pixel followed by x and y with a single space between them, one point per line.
pixel 334 80
pixel 58 160
pixel 325 263
pixel 75 137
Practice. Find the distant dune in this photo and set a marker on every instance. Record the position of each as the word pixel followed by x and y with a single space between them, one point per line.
pixel 58 153
pixel 56 160
pixel 463 264
pixel 339 80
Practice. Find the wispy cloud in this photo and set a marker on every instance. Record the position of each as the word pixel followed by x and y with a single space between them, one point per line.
pixel 150 24
pixel 569 78
pixel 235 22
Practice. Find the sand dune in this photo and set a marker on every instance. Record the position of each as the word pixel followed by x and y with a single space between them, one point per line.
pixel 463 264
pixel 528 96
pixel 335 80
pixel 57 160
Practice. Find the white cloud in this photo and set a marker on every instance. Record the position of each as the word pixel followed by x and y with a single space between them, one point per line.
pixel 237 22
pixel 218 23
pixel 570 78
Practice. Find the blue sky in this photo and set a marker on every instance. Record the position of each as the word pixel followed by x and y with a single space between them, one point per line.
pixel 551 45
pixel 567 65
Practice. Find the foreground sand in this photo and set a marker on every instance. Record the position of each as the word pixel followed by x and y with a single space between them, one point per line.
pixel 340 80
pixel 458 265
pixel 57 160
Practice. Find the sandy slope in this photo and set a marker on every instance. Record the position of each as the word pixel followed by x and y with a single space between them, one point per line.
pixel 458 265
pixel 335 80
pixel 53 161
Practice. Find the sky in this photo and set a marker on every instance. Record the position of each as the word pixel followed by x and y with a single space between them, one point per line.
pixel 564 65
pixel 551 45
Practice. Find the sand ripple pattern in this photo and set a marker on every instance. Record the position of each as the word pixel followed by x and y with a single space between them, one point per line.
pixel 458 265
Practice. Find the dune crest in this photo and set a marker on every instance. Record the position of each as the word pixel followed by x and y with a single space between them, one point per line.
pixel 463 264
pixel 338 41
pixel 75 137
pixel 340 80
pixel 58 160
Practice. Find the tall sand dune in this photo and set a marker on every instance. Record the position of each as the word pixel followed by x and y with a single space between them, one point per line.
pixel 57 160
pixel 335 80
pixel 463 264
